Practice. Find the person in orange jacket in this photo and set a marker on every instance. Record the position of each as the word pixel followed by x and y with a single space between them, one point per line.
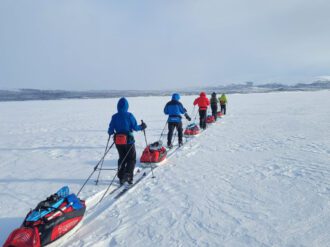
pixel 203 102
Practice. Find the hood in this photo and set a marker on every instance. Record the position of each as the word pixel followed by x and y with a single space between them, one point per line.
pixel 176 96
pixel 202 94
pixel 122 105
pixel 214 95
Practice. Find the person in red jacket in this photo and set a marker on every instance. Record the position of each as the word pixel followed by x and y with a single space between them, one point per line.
pixel 203 102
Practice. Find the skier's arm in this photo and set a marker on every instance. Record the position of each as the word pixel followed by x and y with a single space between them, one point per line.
pixel 166 110
pixel 182 109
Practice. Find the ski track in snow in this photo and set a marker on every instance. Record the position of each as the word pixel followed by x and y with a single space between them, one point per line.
pixel 258 177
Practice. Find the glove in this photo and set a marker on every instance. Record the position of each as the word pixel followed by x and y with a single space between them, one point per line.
pixel 187 117
pixel 143 126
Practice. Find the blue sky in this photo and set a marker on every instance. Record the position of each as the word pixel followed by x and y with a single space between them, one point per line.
pixel 80 45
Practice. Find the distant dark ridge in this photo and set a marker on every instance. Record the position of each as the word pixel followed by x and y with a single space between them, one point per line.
pixel 36 94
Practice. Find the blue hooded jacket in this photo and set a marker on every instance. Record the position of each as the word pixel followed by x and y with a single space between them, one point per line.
pixel 174 109
pixel 123 121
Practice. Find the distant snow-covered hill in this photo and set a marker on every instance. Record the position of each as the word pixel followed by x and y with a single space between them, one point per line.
pixel 37 94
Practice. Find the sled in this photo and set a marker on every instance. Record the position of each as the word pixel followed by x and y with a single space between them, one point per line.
pixel 210 119
pixel 191 130
pixel 50 220
pixel 219 114
pixel 154 153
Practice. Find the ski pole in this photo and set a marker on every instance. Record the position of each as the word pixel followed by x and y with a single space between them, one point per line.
pixel 95 168
pixel 161 134
pixel 193 111
pixel 98 176
pixel 119 167
pixel 195 116
pixel 145 138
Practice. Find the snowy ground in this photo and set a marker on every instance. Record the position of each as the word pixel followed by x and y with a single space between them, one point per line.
pixel 258 177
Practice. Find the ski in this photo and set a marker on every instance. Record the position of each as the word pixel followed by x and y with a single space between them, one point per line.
pixel 128 187
pixel 118 186
pixel 175 148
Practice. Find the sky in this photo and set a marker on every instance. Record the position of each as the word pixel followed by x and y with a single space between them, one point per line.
pixel 161 44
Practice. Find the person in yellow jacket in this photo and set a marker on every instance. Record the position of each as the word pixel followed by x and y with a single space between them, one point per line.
pixel 223 103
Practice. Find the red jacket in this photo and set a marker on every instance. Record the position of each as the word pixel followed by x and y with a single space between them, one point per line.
pixel 203 102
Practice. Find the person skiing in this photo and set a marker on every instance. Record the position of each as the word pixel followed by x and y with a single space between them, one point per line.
pixel 214 105
pixel 223 103
pixel 174 109
pixel 203 102
pixel 122 125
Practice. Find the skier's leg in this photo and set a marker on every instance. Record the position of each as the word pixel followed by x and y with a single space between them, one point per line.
pixel 121 164
pixel 214 111
pixel 180 132
pixel 131 161
pixel 201 119
pixel 171 127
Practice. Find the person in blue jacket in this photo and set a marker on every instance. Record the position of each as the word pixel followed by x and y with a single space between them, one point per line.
pixel 122 125
pixel 174 109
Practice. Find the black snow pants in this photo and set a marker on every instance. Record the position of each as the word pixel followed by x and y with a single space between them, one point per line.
pixel 223 109
pixel 126 162
pixel 171 127
pixel 202 119
pixel 214 111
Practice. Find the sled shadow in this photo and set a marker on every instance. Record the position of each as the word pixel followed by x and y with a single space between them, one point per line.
pixel 7 225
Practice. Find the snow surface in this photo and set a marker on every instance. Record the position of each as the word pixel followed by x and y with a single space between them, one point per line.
pixel 258 177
